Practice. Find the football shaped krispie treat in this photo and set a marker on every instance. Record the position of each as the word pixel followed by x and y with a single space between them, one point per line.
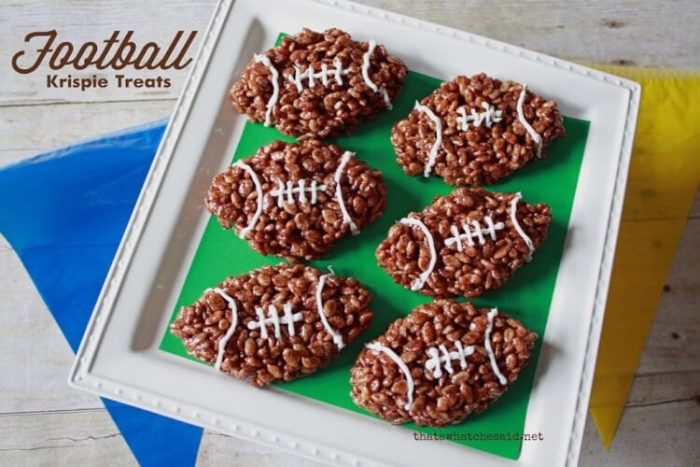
pixel 475 131
pixel 440 364
pixel 297 199
pixel 318 84
pixel 465 243
pixel 275 323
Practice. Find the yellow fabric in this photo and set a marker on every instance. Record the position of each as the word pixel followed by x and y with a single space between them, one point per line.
pixel 664 175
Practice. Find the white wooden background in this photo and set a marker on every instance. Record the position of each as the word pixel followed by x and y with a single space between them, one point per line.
pixel 44 422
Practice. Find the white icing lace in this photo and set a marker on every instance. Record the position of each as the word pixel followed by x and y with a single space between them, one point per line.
pixel 325 75
pixel 516 224
pixel 436 360
pixel 337 338
pixel 488 117
pixel 475 231
pixel 365 75
pixel 232 326
pixel 274 80
pixel 437 123
pixel 259 193
pixel 301 190
pixel 487 343
pixel 521 117
pixel 336 73
pixel 420 281
pixel 347 155
pixel 275 320
pixel 440 357
pixel 376 347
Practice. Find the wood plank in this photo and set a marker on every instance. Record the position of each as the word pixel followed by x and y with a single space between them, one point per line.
pixel 66 438
pixel 50 126
pixel 580 30
pixel 4 245
pixel 674 341
pixel 218 449
pixel 11 156
pixel 655 435
pixel 695 210
pixel 664 388
pixel 91 438
pixel 35 353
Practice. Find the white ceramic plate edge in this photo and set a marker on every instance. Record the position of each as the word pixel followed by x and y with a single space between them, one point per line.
pixel 103 307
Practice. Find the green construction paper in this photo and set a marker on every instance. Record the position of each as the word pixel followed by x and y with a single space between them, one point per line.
pixel 527 296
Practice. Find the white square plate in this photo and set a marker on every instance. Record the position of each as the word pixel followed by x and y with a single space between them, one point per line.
pixel 119 356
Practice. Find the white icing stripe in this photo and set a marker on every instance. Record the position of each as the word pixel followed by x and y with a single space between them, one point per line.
pixel 275 317
pixel 516 224
pixel 387 99
pixel 476 231
pixel 289 190
pixel 365 74
pixel 487 343
pixel 488 117
pixel 261 323
pixel 288 318
pixel 521 117
pixel 420 281
pixel 314 193
pixel 440 356
pixel 446 358
pixel 337 338
pixel 435 362
pixel 377 347
pixel 231 329
pixel 438 137
pixel 339 192
pixel 365 66
pixel 274 78
pixel 491 228
pixel 335 73
pixel 259 192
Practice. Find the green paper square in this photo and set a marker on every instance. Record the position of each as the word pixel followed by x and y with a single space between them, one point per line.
pixel 527 296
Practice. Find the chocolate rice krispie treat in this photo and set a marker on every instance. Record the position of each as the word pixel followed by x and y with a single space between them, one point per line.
pixel 475 131
pixel 297 199
pixel 318 84
pixel 465 243
pixel 440 364
pixel 277 323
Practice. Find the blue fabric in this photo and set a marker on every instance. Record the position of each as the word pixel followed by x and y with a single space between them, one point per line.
pixel 64 213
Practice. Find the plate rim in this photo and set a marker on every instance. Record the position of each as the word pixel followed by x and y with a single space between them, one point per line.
pixel 80 375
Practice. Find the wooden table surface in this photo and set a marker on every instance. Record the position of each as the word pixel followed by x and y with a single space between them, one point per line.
pixel 43 422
